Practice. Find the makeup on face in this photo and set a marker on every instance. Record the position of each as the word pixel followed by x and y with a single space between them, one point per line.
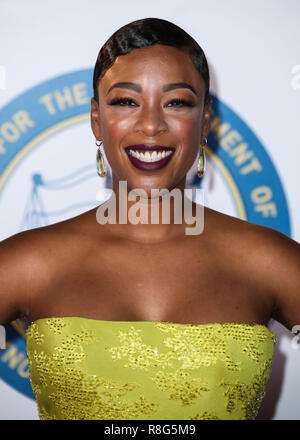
pixel 151 110
pixel 149 157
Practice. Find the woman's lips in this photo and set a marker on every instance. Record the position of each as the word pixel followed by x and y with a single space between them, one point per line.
pixel 149 166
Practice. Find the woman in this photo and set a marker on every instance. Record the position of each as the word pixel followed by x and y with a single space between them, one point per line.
pixel 143 321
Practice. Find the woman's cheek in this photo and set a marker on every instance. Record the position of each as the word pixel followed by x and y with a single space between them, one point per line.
pixel 115 126
pixel 187 128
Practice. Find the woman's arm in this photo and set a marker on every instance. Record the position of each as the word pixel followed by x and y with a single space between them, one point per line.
pixel 15 273
pixel 281 260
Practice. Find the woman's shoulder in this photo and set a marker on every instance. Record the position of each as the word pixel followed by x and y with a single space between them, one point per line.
pixel 56 235
pixel 45 253
pixel 241 237
pixel 263 256
pixel 24 266
pixel 217 222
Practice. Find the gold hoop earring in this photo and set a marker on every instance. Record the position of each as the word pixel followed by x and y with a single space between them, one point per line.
pixel 202 160
pixel 100 162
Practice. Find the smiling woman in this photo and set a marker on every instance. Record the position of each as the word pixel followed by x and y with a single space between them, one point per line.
pixel 135 320
pixel 159 102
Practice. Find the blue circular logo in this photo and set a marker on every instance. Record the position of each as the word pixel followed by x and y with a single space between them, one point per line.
pixel 235 151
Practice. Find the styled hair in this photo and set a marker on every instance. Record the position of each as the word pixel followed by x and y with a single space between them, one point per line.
pixel 148 32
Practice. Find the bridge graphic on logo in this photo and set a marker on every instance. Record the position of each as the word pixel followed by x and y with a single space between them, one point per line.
pixel 36 213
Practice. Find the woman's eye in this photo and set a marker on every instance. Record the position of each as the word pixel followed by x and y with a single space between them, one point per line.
pixel 180 103
pixel 121 101
pixel 129 102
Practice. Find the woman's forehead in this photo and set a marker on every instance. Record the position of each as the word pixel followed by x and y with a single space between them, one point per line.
pixel 154 64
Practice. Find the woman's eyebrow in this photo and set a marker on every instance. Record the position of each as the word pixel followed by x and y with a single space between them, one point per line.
pixel 126 85
pixel 183 85
pixel 138 88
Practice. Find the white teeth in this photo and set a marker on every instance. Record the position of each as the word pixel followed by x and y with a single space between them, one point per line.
pixel 154 156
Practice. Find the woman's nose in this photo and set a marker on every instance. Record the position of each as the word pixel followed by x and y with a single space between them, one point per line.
pixel 151 121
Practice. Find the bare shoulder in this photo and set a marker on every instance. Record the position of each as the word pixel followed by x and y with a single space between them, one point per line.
pixel 21 265
pixel 249 236
pixel 270 257
pixel 31 261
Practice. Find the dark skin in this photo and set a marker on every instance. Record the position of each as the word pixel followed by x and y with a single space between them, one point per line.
pixel 234 271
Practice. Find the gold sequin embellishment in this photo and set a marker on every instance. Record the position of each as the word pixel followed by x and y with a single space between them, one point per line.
pixel 86 369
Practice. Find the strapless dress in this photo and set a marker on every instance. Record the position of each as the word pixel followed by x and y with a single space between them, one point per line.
pixel 88 369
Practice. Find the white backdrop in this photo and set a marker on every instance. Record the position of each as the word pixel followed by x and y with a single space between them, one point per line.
pixel 252 47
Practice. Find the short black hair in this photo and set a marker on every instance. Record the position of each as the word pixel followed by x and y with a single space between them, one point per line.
pixel 148 32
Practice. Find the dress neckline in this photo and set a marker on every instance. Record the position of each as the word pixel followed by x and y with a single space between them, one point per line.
pixel 105 321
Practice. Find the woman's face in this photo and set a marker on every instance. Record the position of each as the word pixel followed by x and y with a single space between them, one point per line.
pixel 145 111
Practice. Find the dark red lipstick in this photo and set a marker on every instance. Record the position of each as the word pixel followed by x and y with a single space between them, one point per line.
pixel 157 163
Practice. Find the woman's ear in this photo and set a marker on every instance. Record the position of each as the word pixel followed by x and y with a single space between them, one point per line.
pixel 95 119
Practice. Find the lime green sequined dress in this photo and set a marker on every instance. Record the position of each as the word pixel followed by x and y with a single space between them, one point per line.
pixel 83 368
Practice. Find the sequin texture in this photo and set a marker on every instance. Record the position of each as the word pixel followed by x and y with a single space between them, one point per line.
pixel 86 369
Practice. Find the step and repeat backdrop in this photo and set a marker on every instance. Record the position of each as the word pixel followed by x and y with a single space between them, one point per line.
pixel 47 150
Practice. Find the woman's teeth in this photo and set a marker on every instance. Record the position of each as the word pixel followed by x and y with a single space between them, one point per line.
pixel 154 156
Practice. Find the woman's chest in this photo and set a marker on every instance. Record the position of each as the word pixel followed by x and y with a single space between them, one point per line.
pixel 175 282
